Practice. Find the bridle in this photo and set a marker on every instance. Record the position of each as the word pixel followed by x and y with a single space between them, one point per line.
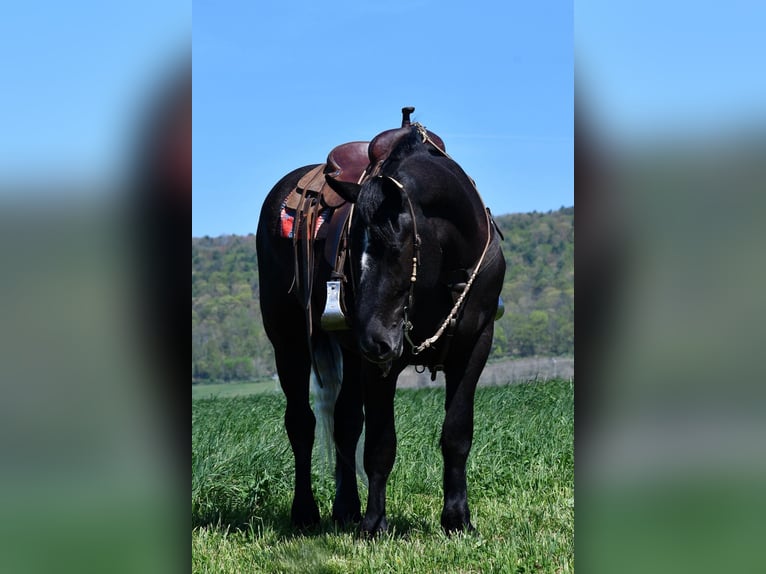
pixel 455 311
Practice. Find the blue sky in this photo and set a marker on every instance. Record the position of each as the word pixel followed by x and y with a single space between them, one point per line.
pixel 278 84
pixel 684 68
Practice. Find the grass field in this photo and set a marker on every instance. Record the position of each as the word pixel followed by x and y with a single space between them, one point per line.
pixel 520 477
pixel 234 389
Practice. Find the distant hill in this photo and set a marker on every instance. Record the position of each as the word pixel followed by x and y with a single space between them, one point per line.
pixel 229 343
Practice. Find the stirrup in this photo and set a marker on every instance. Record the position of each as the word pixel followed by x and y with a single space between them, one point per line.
pixel 333 318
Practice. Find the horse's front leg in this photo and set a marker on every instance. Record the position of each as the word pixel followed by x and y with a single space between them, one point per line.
pixel 379 445
pixel 461 376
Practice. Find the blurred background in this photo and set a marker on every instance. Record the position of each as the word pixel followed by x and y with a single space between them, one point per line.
pixel 95 198
pixel 670 171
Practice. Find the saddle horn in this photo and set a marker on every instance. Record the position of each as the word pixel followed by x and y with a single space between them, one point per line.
pixel 435 140
pixel 382 144
pixel 406 111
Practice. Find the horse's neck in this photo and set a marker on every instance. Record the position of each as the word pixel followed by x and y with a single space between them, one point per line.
pixel 454 199
pixel 453 213
pixel 455 232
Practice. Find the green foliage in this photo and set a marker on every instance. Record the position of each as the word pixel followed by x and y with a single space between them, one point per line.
pixel 229 343
pixel 538 290
pixel 520 488
pixel 228 340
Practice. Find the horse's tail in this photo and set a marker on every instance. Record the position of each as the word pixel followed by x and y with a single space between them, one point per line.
pixel 326 378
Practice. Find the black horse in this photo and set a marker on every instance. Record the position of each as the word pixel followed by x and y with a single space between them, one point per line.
pixel 421 283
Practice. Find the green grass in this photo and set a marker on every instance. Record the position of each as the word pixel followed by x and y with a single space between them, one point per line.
pixel 520 473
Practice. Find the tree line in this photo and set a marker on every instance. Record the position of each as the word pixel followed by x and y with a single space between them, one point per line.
pixel 229 342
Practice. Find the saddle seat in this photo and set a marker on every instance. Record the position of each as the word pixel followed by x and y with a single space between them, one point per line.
pixel 348 162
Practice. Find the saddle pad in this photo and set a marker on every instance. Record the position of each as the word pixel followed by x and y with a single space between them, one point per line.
pixel 287 222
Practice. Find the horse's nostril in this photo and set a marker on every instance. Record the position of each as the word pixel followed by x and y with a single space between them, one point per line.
pixel 378 349
pixel 384 349
pixel 375 347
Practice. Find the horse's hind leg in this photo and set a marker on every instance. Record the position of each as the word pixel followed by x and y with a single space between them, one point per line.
pixel 461 376
pixel 348 427
pixel 293 367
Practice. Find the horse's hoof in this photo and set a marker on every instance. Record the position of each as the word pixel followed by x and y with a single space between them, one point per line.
pixel 370 528
pixel 306 523
pixel 305 518
pixel 345 518
pixel 456 522
pixel 467 528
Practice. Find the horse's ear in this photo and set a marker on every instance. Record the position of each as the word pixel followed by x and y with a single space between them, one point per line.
pixel 392 190
pixel 346 189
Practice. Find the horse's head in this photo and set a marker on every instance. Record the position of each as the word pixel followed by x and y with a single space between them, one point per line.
pixel 384 246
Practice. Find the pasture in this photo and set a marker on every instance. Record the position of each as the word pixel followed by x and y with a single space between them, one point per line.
pixel 520 487
pixel 228 390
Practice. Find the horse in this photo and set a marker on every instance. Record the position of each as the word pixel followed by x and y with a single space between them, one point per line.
pixel 421 275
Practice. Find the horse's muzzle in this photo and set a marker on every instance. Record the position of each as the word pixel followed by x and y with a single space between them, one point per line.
pixel 381 349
